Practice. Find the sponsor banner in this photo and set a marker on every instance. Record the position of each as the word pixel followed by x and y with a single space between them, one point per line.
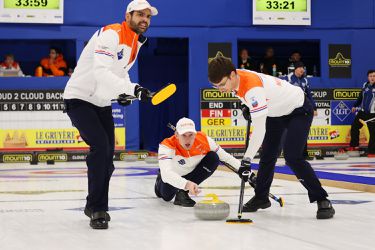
pixel 335 94
pixel 16 158
pixel 226 135
pixel 31 100
pixel 215 95
pixel 50 138
pixel 63 156
pixel 118 113
pixel 57 157
pixel 334 135
pixel 346 94
pixel 342 112
pixel 120 156
pixel 322 94
pixel 24 96
pixel 340 61
pixel 225 49
pixel 77 156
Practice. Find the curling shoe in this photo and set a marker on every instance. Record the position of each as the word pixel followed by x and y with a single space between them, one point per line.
pixel 183 199
pixel 88 213
pixel 255 203
pixel 99 220
pixel 156 189
pixel 325 210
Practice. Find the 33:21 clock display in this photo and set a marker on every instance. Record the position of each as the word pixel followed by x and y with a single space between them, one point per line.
pixel 281 5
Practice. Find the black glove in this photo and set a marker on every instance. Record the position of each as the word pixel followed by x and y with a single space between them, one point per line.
pixel 123 100
pixel 245 166
pixel 253 180
pixel 246 112
pixel 142 94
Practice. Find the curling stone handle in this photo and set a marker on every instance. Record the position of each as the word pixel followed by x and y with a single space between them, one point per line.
pixel 214 197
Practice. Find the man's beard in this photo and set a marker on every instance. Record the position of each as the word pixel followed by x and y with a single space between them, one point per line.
pixel 136 29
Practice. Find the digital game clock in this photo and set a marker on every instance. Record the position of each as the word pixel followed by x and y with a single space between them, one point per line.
pixel 281 12
pixel 31 11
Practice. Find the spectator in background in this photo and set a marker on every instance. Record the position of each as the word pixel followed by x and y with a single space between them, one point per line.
pixel 297 79
pixel 269 63
pixel 246 62
pixel 366 103
pixel 53 65
pixel 293 59
pixel 11 66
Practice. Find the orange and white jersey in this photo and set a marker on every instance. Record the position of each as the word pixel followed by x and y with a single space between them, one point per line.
pixel 268 95
pixel 265 96
pixel 175 161
pixel 102 69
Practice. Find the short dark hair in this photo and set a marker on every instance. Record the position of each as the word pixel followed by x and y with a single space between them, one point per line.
pixel 219 67
pixel 9 55
pixel 370 71
pixel 296 52
pixel 56 49
pixel 298 65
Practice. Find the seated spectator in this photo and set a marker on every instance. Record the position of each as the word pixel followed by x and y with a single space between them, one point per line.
pixel 246 62
pixel 297 78
pixel 53 65
pixel 269 64
pixel 293 59
pixel 10 67
pixel 366 105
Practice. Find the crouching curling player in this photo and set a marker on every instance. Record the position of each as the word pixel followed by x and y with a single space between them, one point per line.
pixel 187 159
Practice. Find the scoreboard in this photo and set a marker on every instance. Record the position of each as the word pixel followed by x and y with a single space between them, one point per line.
pixel 31 100
pixel 331 127
pixel 33 119
pixel 221 118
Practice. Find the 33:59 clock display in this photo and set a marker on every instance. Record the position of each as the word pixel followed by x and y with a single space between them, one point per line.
pixel 31 4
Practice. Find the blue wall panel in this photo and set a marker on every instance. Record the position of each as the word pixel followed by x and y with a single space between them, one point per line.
pixel 335 21
pixel 325 14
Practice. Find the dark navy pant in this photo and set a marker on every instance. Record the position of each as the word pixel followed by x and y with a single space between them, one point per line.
pixel 96 127
pixel 203 170
pixel 297 126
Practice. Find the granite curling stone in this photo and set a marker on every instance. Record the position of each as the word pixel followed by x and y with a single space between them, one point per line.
pixel 211 209
pixel 341 155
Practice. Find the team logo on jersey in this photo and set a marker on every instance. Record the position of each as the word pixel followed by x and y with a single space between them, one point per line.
pixel 182 162
pixel 254 103
pixel 120 54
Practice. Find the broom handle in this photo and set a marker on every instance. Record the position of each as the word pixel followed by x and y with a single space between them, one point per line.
pixel 241 196
pixel 369 120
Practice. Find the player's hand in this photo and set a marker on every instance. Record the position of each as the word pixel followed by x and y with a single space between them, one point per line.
pixel 192 187
pixel 123 100
pixel 315 112
pixel 245 112
pixel 253 180
pixel 245 169
pixel 142 94
pixel 354 109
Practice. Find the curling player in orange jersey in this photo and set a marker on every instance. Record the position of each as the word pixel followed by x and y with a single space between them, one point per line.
pixel 187 159
pixel 102 75
pixel 275 106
